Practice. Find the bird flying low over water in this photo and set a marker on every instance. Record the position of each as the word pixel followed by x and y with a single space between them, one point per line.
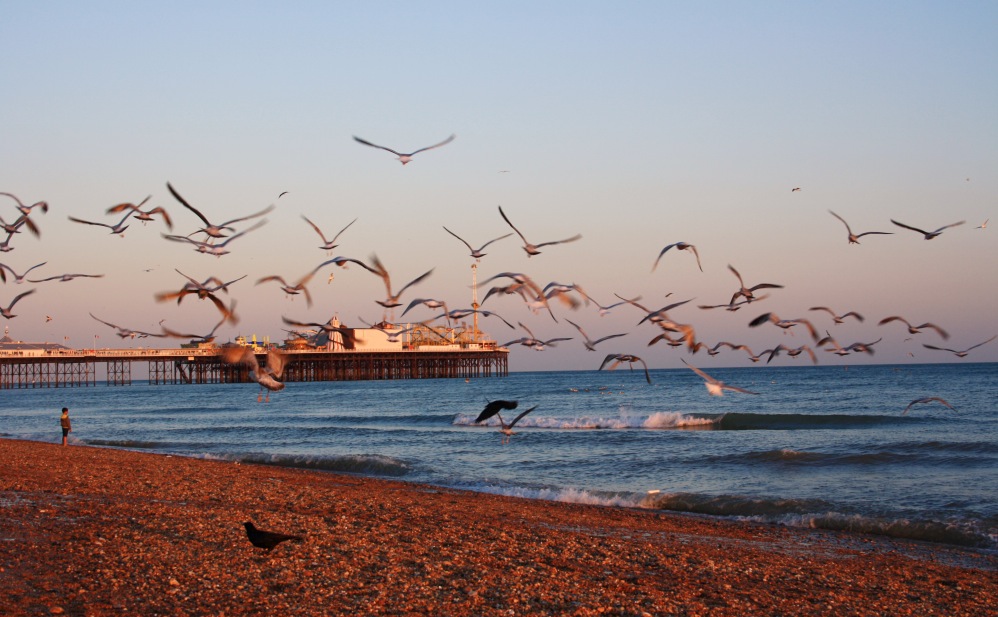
pixel 494 407
pixel 854 238
pixel 532 249
pixel 405 157
pixel 588 342
pixel 615 359
pixel 682 246
pixel 269 376
pixel 924 400
pixel 267 539
pixel 960 353
pixel 928 234
pixel 714 386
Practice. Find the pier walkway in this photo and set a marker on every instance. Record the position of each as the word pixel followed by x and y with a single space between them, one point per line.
pixel 64 368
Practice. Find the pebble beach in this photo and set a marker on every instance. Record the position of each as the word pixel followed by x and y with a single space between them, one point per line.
pixel 100 531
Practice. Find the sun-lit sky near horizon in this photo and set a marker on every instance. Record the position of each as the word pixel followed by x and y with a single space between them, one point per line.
pixel 636 124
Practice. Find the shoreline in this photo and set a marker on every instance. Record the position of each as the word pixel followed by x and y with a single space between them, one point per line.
pixel 92 531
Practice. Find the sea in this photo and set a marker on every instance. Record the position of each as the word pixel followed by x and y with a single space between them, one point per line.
pixel 825 447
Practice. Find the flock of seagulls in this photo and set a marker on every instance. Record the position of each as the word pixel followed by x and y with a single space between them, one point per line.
pixel 216 238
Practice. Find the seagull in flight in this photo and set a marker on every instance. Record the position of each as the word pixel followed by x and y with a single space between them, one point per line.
pixel 682 246
pixel 217 249
pixel 476 253
pixel 615 359
pixel 118 228
pixel 960 353
pixel 854 238
pixel 747 292
pixel 588 342
pixel 494 408
pixel 215 231
pixel 18 278
pixel 835 317
pixel 914 329
pixel 66 277
pixel 716 387
pixel 327 244
pixel 786 324
pixel 392 300
pixel 141 215
pixel 928 234
pixel 532 249
pixel 983 225
pixel 405 157
pixel 26 210
pixel 6 312
pixel 269 376
pixel 927 399
pixel 126 332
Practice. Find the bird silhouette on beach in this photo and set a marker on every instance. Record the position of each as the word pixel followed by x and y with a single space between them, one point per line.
pixel 405 158
pixel 533 249
pixel 928 234
pixel 267 539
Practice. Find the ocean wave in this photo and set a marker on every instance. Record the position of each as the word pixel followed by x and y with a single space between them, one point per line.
pixel 367 464
pixel 125 443
pixel 659 420
pixel 819 514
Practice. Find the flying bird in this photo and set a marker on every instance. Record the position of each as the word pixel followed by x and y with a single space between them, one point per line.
pixel 928 234
pixel 66 277
pixel 392 299
pixel 960 353
pixel 141 215
pixel 215 231
pixel 854 238
pixel 266 539
pixel 405 158
pixel 327 244
pixel 269 376
pixel 914 329
pixel 217 248
pixel 118 228
pixel 615 359
pixel 682 246
pixel 835 317
pixel 786 324
pixel 493 408
pixel 476 253
pixel 588 342
pixel 201 339
pixel 927 399
pixel 27 209
pixel 6 312
pixel 532 249
pixel 18 278
pixel 983 225
pixel 747 292
pixel 714 386
pixel 507 429
pixel 126 332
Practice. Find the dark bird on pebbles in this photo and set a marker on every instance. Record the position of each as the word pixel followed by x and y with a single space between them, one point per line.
pixel 267 539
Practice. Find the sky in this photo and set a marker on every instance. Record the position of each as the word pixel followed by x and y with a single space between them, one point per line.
pixel 635 124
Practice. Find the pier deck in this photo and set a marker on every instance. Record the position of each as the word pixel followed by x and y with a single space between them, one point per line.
pixel 113 367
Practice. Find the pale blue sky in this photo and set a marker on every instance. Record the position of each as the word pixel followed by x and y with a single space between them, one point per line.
pixel 635 124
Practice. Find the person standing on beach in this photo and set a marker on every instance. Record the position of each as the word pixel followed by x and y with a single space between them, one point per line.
pixel 67 426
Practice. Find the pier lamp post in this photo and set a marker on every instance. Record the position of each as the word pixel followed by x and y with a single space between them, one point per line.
pixel 95 343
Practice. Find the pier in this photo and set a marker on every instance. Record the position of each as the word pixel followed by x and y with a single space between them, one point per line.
pixel 66 368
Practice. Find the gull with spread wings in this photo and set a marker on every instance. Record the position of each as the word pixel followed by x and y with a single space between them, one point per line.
pixel 854 238
pixel 928 234
pixel 532 249
pixel 405 157
pixel 714 386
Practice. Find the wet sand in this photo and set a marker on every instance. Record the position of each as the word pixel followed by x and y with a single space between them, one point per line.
pixel 94 531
